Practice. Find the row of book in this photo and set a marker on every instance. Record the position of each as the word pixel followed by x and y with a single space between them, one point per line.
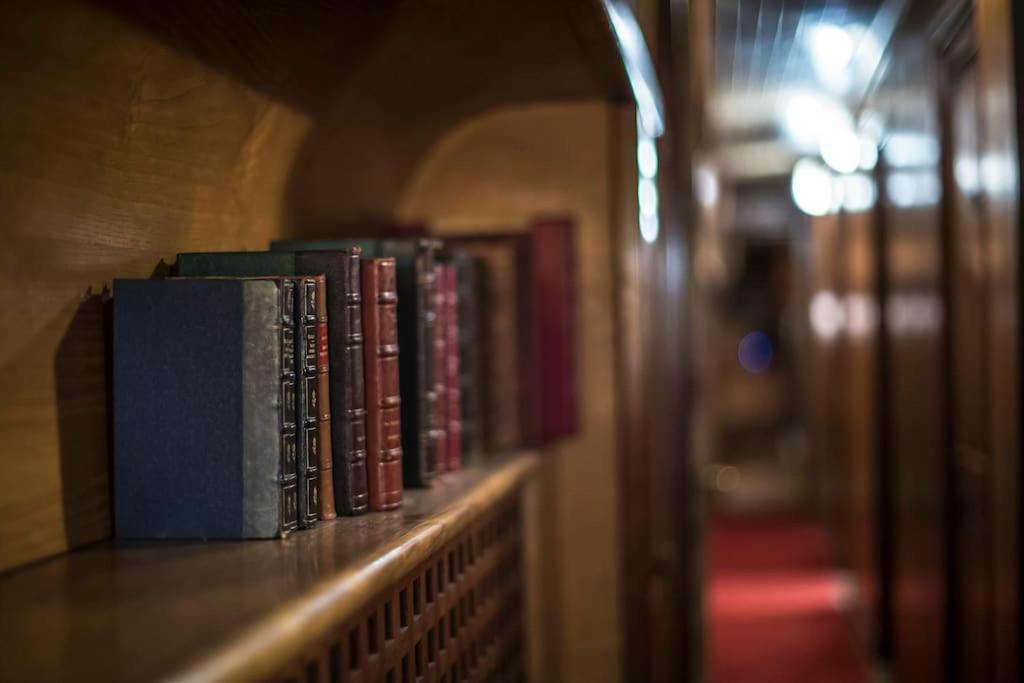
pixel 260 392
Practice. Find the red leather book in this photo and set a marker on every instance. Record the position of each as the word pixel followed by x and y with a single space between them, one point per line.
pixel 323 409
pixel 383 402
pixel 553 266
pixel 452 376
pixel 439 410
pixel 500 392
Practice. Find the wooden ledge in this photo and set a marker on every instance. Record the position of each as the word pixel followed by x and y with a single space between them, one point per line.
pixel 227 610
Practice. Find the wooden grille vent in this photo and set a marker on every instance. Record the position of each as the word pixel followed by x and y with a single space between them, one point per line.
pixel 457 617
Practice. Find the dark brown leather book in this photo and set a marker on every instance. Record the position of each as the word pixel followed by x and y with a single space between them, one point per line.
pixel 327 507
pixel 439 359
pixel 553 269
pixel 499 265
pixel 307 386
pixel 449 290
pixel 383 402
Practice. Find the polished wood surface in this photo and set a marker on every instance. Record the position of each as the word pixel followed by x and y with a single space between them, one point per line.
pixel 999 35
pixel 234 610
pixel 916 423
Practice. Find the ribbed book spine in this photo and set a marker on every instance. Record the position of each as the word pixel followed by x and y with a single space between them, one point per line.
pixel 453 394
pixel 380 352
pixel 435 351
pixel 289 443
pixel 470 369
pixel 323 367
pixel 427 318
pixel 358 495
pixel 308 384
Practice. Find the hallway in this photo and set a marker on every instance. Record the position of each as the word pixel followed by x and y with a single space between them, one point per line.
pixel 775 605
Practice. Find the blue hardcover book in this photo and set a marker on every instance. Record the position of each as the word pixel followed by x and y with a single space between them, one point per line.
pixel 203 410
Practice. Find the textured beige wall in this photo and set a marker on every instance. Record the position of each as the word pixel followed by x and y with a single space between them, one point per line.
pixel 494 172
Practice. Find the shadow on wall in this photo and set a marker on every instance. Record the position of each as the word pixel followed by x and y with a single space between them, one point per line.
pixel 82 372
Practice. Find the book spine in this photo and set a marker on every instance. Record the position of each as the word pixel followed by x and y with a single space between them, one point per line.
pixel 327 505
pixel 438 360
pixel 453 413
pixel 357 497
pixel 383 403
pixel 469 341
pixel 426 321
pixel 530 385
pixel 289 443
pixel 308 382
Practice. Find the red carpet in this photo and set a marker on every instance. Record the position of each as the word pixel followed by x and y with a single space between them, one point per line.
pixel 774 606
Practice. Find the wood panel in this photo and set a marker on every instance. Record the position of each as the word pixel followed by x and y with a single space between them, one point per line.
pixel 858 435
pixel 1000 28
pixel 915 313
pixel 241 610
pixel 999 25
pixel 136 130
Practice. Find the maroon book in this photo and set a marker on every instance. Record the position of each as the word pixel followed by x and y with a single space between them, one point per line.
pixel 452 375
pixel 553 244
pixel 383 402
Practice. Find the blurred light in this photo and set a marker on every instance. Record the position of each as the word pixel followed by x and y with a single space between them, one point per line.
pixel 859 192
pixel 649 228
pixel 647 185
pixel 906 150
pixel 646 157
pixel 639 68
pixel 831 48
pixel 705 186
pixel 727 478
pixel 907 189
pixel 914 313
pixel 756 352
pixel 647 193
pixel 827 315
pixel 998 173
pixel 808 117
pixel 838 191
pixel 868 154
pixel 840 147
pixel 871 125
pixel 812 188
pixel 860 314
pixel 967 174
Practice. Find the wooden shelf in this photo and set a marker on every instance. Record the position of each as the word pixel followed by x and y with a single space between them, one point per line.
pixel 226 610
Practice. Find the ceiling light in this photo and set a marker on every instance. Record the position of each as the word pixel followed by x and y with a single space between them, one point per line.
pixel 812 188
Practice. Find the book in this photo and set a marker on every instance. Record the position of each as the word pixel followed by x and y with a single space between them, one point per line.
pixel 500 282
pixel 383 401
pixel 450 331
pixel 553 270
pixel 201 410
pixel 468 316
pixel 439 363
pixel 414 273
pixel 307 384
pixel 345 355
pixel 323 367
